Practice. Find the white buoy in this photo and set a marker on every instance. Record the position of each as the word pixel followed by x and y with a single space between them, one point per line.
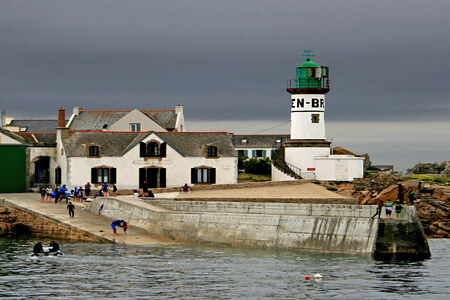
pixel 318 276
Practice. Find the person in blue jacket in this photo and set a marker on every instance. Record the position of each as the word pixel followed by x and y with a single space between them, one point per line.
pixel 120 223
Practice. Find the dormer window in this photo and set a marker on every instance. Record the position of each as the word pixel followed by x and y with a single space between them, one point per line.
pixel 153 149
pixel 212 151
pixel 244 141
pixel 135 126
pixel 94 151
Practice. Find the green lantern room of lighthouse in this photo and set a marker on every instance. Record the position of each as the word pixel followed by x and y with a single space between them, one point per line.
pixel 311 75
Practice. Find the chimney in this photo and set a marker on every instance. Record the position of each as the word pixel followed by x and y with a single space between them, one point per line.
pixel 8 120
pixel 61 117
pixel 77 110
pixel 178 109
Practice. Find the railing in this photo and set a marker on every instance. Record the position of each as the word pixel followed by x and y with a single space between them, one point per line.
pixel 323 83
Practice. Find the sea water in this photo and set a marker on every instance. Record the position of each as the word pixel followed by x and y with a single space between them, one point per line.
pixel 107 271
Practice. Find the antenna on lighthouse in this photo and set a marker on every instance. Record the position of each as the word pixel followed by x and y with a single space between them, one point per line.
pixel 308 54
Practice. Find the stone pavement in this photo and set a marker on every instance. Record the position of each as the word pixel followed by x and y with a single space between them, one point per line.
pixel 85 220
pixel 307 190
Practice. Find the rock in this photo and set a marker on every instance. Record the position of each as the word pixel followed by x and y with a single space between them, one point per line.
pixel 367 161
pixel 442 168
pixel 415 184
pixel 388 194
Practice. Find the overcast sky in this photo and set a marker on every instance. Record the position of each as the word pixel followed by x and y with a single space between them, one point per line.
pixel 229 60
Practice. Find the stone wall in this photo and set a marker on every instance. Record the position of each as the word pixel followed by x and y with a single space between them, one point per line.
pixel 340 228
pixel 16 221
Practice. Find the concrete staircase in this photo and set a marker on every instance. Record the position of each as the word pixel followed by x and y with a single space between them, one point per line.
pixel 279 163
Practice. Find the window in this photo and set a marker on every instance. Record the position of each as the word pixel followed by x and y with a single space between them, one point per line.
pixel 203 175
pixel 103 175
pixel 94 151
pixel 315 118
pixel 259 153
pixel 241 152
pixel 153 149
pixel 212 151
pixel 135 126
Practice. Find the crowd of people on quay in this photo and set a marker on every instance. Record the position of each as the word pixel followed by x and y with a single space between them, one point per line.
pixel 396 205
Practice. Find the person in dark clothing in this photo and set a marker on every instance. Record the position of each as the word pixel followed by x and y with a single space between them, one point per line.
pixel 54 246
pixel 145 188
pixel 71 209
pixel 150 194
pixel 185 188
pixel 120 223
pixel 401 193
pixel 38 248
pixel 379 209
pixel 87 189
pixel 398 208
pixel 411 196
pixel 114 189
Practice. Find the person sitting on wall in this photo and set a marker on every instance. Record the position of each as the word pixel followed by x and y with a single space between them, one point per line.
pixel 185 188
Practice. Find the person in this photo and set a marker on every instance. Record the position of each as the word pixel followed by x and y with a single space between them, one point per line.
pixel 62 193
pixel 53 247
pixel 120 223
pixel 379 209
pixel 38 248
pixel 145 188
pixel 150 194
pixel 71 209
pixel 389 206
pixel 398 207
pixel 43 193
pixel 87 189
pixel 105 189
pixel 135 194
pixel 80 194
pixel 185 188
pixel 75 194
pixel 401 193
pixel 100 209
pixel 411 196
pixel 114 189
pixel 49 192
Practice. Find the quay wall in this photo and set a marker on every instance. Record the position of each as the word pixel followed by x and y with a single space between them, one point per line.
pixel 19 221
pixel 340 228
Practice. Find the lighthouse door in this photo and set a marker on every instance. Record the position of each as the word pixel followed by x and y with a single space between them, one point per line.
pixel 341 170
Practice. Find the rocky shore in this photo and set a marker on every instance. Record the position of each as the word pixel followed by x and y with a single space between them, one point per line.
pixel 432 199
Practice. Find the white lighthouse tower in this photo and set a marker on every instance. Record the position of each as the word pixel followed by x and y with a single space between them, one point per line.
pixel 307 152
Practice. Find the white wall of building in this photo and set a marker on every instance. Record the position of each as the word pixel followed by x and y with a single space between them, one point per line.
pixel 135 116
pixel 339 167
pixel 277 175
pixel 178 168
pixel 303 157
pixel 303 106
pixel 4 139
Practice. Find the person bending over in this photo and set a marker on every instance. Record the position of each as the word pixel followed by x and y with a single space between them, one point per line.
pixel 120 223
pixel 54 246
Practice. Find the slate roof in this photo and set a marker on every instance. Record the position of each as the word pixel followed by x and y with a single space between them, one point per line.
pixel 192 144
pixel 36 125
pixel 188 144
pixel 259 140
pixel 96 119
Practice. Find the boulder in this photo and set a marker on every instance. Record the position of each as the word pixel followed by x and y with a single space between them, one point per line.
pixel 388 194
pixel 415 184
pixel 442 168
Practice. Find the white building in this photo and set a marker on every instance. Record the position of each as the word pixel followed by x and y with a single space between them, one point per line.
pixel 307 153
pixel 125 147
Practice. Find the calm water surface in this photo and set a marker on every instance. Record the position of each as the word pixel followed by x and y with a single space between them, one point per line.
pixel 102 271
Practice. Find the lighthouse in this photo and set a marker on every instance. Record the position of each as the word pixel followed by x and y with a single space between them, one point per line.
pixel 308 153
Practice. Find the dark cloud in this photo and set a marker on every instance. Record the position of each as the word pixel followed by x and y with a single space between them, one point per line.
pixel 388 59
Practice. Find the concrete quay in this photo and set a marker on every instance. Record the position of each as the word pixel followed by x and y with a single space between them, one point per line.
pixel 85 221
pixel 301 217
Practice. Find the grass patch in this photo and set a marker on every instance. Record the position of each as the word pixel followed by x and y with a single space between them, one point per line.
pixel 430 179
pixel 246 177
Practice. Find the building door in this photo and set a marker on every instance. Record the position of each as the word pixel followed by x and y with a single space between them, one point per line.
pixel 341 170
pixel 155 177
